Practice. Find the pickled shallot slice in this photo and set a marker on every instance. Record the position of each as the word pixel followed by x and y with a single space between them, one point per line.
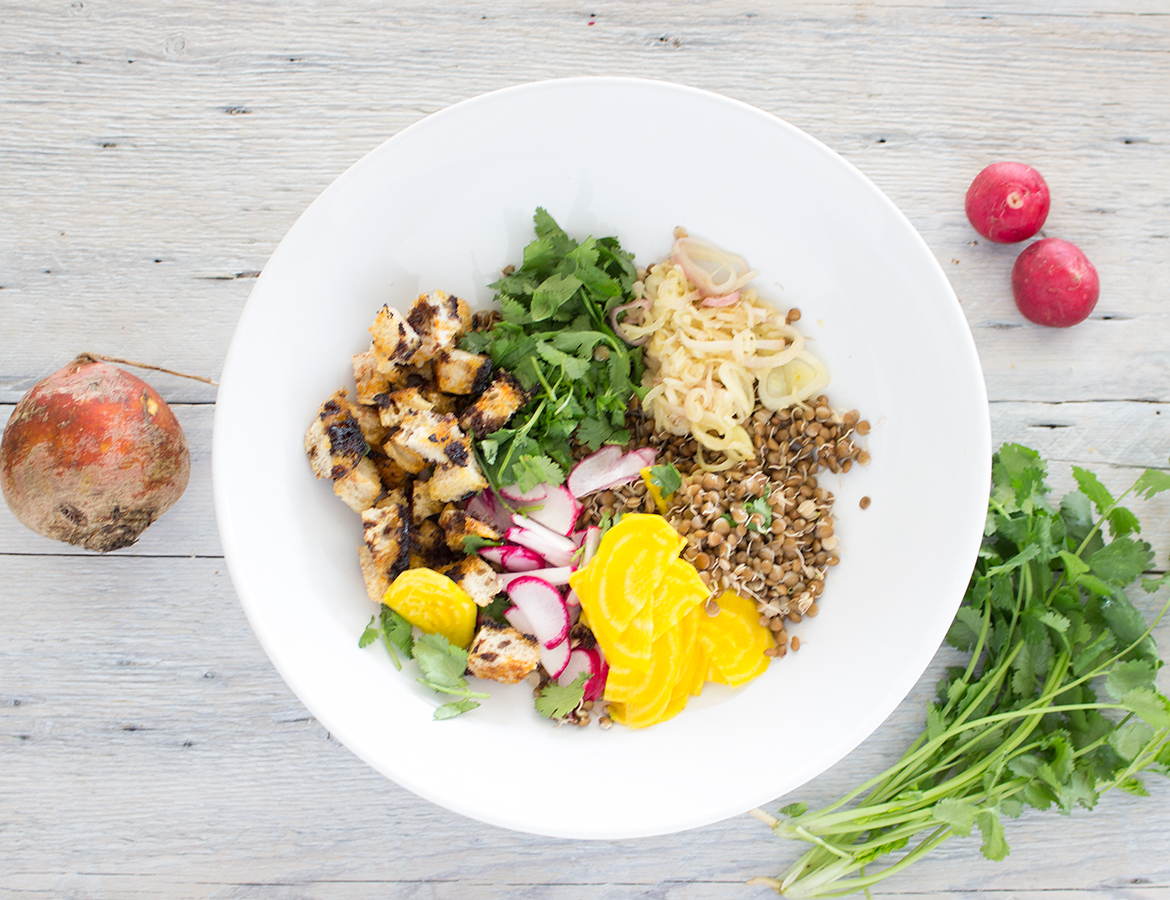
pixel 711 269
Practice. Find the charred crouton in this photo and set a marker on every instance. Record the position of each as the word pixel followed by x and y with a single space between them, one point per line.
pixel 377 584
pixel 395 341
pixel 423 504
pixel 501 653
pixel 387 535
pixel 371 425
pixel 370 382
pixel 429 541
pixel 438 319
pixel 397 405
pixel 477 578
pixel 460 372
pixel 450 482
pixel 457 525
pixel 580 636
pixel 435 438
pixel 334 441
pixel 360 486
pixel 440 402
pixel 402 456
pixel 392 475
pixel 495 406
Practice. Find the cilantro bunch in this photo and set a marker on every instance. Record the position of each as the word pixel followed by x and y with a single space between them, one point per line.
pixel 1048 626
pixel 556 339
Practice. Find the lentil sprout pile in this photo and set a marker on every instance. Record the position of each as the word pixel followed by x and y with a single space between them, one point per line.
pixel 762 528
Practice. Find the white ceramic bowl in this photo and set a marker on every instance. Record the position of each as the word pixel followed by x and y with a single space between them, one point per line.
pixel 445 204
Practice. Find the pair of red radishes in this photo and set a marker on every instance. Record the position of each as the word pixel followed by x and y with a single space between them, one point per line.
pixel 1053 281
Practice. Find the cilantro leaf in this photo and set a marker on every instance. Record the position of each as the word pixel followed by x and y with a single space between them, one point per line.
pixel 1121 561
pixel 472 543
pixel 668 479
pixel 398 632
pixel 529 471
pixel 1152 481
pixel 556 701
pixel 759 505
pixel 441 662
pixel 455 708
pixel 1092 488
pixel 371 634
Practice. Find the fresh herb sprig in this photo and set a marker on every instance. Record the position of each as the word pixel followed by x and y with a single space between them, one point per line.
pixel 556 339
pixel 1046 622
pixel 396 633
pixel 558 701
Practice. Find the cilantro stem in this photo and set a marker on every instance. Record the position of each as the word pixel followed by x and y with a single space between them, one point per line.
pixel 458 692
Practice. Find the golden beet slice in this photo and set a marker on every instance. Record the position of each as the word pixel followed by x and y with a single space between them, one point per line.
pixel 646 705
pixel 734 641
pixel 434 603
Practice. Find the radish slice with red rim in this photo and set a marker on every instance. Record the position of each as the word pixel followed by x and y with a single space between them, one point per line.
pixel 590 544
pixel 559 511
pixel 582 660
pixel 543 606
pixel 572 600
pixel 494 554
pixel 554 659
pixel 517 497
pixel 487 507
pixel 607 468
pixel 518 620
pixel 522 559
pixel 556 548
pixel 558 576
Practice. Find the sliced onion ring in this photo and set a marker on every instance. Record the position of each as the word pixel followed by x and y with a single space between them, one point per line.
pixel 714 271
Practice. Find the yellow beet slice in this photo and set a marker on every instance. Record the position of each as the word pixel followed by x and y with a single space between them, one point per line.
pixel 692 665
pixel 734 641
pixel 647 703
pixel 653 490
pixel 434 603
pixel 681 591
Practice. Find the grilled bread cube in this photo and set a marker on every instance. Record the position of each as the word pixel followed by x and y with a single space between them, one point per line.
pixel 460 372
pixel 440 402
pixel 438 319
pixel 402 456
pixel 360 487
pixel 450 482
pixel 477 578
pixel 387 535
pixel 370 382
pixel 501 653
pixel 457 525
pixel 392 475
pixel 424 505
pixel 436 438
pixel 397 405
pixel 395 341
pixel 334 441
pixel 495 406
pixel 377 584
pixel 429 541
pixel 371 425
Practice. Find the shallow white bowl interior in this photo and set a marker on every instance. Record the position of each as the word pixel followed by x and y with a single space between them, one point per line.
pixel 445 204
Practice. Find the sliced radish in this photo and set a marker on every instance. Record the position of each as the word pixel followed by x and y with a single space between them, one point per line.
pixel 581 660
pixel 648 455
pixel 556 576
pixel 486 507
pixel 590 544
pixel 494 554
pixel 572 600
pixel 543 606
pixel 556 548
pixel 522 559
pixel 517 497
pixel 518 620
pixel 607 468
pixel 560 510
pixel 554 659
pixel 574 613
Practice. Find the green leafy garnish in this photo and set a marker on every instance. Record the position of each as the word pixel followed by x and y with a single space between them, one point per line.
pixel 557 701
pixel 495 609
pixel 443 665
pixel 1046 624
pixel 472 542
pixel 759 505
pixel 666 478
pixel 555 337
pixel 396 633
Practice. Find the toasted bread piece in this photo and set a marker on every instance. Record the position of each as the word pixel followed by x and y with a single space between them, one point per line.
pixel 439 320
pixel 377 584
pixel 457 525
pixel 460 372
pixel 397 405
pixel 387 535
pixel 436 438
pixel 402 456
pixel 371 425
pixel 360 487
pixel 370 382
pixel 477 578
pixel 495 406
pixel 423 505
pixel 450 482
pixel 392 475
pixel 395 341
pixel 501 653
pixel 441 403
pixel 334 441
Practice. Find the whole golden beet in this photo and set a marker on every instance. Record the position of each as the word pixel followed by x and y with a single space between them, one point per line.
pixel 92 455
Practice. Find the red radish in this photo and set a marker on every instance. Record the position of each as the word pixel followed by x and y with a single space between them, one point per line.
pixel 556 548
pixel 517 497
pixel 557 576
pixel 560 510
pixel 521 559
pixel 542 606
pixel 607 468
pixel 554 659
pixel 494 554
pixel 1054 283
pixel 581 660
pixel 589 545
pixel 1007 202
pixel 92 455
pixel 572 600
pixel 486 507
pixel 518 620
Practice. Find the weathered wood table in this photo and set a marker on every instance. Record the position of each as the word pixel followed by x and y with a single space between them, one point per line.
pixel 152 156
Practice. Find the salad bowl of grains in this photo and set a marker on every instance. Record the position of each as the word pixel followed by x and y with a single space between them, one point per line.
pixel 575 463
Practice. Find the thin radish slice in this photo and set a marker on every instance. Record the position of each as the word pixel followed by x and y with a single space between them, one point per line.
pixel 515 496
pixel 558 576
pixel 522 559
pixel 556 548
pixel 607 468
pixel 590 544
pixel 494 554
pixel 518 620
pixel 486 507
pixel 554 659
pixel 648 454
pixel 581 660
pixel 572 600
pixel 543 606
pixel 574 614
pixel 559 512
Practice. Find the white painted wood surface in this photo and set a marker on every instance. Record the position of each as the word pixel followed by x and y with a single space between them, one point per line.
pixel 151 157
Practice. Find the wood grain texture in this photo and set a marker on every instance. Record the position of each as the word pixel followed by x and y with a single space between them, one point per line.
pixel 151 159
